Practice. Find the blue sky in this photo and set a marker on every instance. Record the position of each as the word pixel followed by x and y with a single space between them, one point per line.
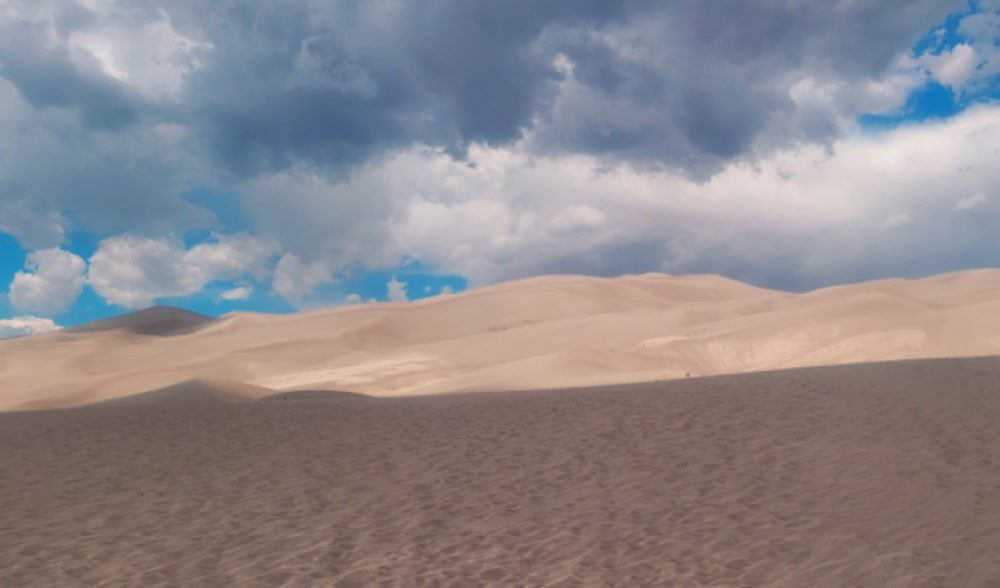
pixel 263 156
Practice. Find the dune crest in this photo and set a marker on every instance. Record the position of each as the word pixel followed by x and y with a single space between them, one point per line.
pixel 542 332
pixel 161 321
pixel 189 393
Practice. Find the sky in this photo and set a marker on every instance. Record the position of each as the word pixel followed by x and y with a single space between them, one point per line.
pixel 255 155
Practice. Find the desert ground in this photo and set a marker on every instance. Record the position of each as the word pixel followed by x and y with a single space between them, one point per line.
pixel 558 431
pixel 879 474
pixel 542 333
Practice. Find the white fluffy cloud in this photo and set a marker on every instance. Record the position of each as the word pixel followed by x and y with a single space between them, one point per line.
pixel 974 64
pixel 315 216
pixel 801 217
pixel 396 290
pixel 952 67
pixel 146 54
pixel 237 293
pixel 25 325
pixel 134 271
pixel 50 283
pixel 971 202
pixel 294 279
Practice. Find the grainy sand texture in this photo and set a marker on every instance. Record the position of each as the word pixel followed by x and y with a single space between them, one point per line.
pixel 865 475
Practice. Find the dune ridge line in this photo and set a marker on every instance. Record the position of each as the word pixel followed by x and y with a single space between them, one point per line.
pixel 538 333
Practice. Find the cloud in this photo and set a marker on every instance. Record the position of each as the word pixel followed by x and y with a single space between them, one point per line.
pixel 237 293
pixel 36 58
pixel 396 290
pixel 52 280
pixel 578 218
pixel 139 49
pixel 25 325
pixel 899 219
pixel 133 271
pixel 90 113
pixel 272 86
pixel 692 86
pixel 952 67
pixel 231 256
pixel 314 215
pixel 335 83
pixel 803 217
pixel 971 202
pixel 353 299
pixel 974 65
pixel 58 175
pixel 294 279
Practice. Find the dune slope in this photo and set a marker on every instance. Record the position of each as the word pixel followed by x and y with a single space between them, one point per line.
pixel 546 332
pixel 162 321
pixel 862 475
pixel 195 392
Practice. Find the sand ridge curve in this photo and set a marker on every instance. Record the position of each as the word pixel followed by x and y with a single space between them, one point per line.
pixel 538 333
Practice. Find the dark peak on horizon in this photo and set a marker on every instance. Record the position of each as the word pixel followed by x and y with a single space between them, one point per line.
pixel 159 320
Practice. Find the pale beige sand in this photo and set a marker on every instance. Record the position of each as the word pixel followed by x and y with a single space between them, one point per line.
pixel 866 475
pixel 548 332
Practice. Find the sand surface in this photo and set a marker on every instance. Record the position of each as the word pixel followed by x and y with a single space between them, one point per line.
pixel 866 475
pixel 546 332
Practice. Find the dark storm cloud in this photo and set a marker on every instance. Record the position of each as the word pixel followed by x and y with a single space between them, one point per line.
pixel 47 78
pixel 335 83
pixel 687 84
pixel 692 84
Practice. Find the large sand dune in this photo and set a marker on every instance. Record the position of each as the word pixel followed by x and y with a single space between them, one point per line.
pixel 862 475
pixel 545 332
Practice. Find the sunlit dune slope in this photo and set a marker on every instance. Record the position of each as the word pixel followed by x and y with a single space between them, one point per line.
pixel 545 332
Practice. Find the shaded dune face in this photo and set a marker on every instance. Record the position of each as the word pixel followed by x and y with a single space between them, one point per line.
pixel 210 393
pixel 541 333
pixel 311 396
pixel 864 475
pixel 161 321
pixel 195 392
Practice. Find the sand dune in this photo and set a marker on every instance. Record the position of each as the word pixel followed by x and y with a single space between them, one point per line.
pixel 162 321
pixel 546 332
pixel 310 396
pixel 864 475
pixel 190 393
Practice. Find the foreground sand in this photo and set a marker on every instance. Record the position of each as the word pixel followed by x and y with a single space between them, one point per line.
pixel 545 332
pixel 866 475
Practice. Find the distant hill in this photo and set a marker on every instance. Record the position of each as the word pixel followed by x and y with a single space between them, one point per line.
pixel 161 321
pixel 191 393
pixel 543 332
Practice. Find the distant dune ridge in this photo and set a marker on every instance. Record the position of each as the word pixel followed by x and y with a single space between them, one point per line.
pixel 544 332
pixel 161 321
pixel 191 393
